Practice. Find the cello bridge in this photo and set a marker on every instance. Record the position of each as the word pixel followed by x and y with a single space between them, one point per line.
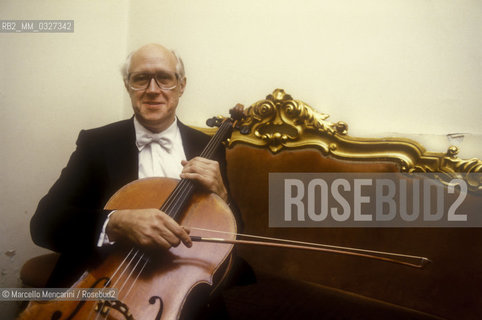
pixel 104 306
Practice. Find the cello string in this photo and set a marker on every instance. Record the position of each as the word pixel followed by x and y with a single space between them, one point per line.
pixel 137 277
pixel 139 259
pixel 174 203
pixel 130 274
pixel 113 276
pixel 216 140
pixel 313 244
pixel 120 265
pixel 125 269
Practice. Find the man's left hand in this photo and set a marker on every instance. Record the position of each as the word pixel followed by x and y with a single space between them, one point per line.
pixel 206 172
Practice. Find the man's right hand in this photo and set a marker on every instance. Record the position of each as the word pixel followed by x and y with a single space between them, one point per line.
pixel 147 228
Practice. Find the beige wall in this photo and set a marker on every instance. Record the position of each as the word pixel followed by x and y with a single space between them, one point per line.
pixel 51 86
pixel 406 67
pixel 401 67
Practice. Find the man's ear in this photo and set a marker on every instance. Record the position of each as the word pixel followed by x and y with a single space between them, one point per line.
pixel 182 86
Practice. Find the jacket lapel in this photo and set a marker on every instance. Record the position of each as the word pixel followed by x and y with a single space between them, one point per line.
pixel 122 156
pixel 193 141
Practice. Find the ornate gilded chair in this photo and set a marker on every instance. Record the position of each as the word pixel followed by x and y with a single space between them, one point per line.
pixel 280 134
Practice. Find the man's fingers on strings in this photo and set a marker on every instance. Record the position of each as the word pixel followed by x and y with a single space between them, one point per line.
pixel 200 165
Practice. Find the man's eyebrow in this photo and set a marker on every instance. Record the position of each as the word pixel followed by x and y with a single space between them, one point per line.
pixel 148 70
pixel 161 72
pixel 164 72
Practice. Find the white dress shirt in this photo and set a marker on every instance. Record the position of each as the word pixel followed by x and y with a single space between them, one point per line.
pixel 156 160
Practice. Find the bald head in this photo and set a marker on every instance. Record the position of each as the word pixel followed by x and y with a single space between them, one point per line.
pixel 153 50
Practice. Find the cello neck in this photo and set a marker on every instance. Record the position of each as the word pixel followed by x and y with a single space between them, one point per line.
pixel 175 203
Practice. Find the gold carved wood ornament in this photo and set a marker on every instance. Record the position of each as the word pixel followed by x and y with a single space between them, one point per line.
pixel 281 122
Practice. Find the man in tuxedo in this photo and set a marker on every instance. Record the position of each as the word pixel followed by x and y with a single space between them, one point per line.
pixel 70 219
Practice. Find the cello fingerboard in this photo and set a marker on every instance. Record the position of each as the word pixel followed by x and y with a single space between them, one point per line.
pixel 178 199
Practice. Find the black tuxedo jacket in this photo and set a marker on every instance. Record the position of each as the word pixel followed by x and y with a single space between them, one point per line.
pixel 70 217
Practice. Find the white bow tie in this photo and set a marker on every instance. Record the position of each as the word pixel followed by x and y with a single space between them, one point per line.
pixel 146 138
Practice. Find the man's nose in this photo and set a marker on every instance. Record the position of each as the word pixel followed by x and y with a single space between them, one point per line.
pixel 153 87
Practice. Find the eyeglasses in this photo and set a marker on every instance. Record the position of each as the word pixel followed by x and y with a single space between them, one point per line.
pixel 141 80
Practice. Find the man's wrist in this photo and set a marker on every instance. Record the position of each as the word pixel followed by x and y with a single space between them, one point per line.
pixel 104 237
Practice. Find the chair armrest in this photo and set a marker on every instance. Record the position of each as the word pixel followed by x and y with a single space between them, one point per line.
pixel 36 271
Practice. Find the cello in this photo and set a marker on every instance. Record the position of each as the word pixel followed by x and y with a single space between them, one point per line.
pixel 168 285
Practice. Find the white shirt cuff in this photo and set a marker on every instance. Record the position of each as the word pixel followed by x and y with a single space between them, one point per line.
pixel 103 238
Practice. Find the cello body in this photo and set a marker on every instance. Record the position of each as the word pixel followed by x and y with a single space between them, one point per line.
pixel 155 285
